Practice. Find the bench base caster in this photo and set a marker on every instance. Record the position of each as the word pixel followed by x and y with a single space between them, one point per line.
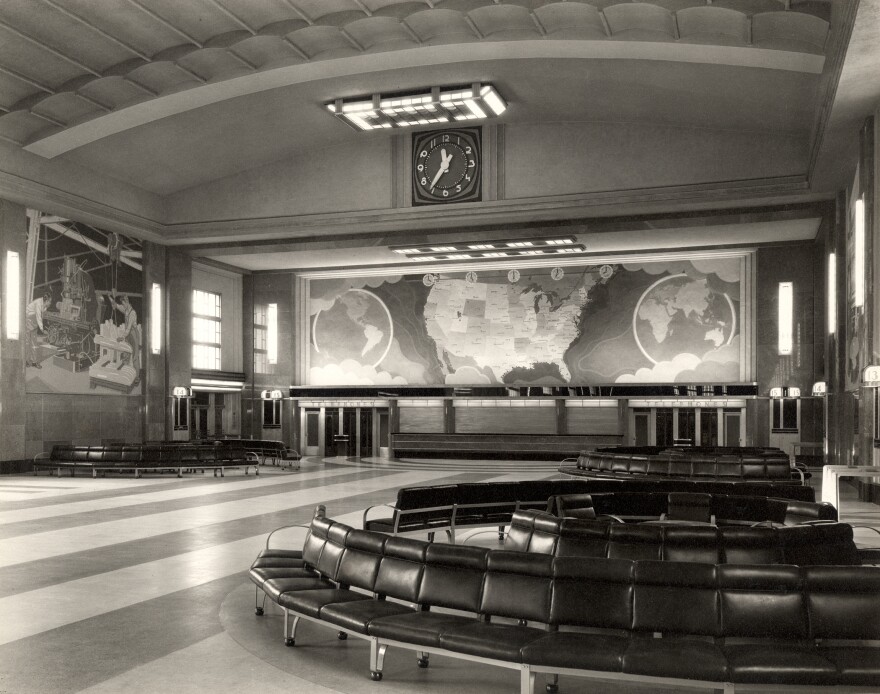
pixel 258 611
pixel 289 642
pixel 341 636
pixel 375 676
pixel 423 662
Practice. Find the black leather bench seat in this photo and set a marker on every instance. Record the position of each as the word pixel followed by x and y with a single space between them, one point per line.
pixel 311 602
pixel 421 628
pixel 358 615
pixel 669 622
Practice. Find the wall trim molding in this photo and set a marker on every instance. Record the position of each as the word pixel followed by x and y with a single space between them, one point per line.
pixel 82 209
pixel 546 208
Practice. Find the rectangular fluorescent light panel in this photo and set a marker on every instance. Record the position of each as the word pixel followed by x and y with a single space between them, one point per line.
pixel 156 319
pixel 13 296
pixel 859 254
pixel 832 293
pixel 786 317
pixel 455 104
pixel 491 249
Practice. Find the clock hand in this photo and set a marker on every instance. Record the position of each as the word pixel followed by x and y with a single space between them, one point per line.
pixel 444 167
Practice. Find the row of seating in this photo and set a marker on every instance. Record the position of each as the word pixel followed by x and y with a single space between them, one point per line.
pixel 670 623
pixel 721 509
pixel 269 450
pixel 146 457
pixel 812 544
pixel 690 463
pixel 444 508
pixel 505 446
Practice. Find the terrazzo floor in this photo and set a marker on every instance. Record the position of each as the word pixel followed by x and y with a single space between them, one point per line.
pixel 117 584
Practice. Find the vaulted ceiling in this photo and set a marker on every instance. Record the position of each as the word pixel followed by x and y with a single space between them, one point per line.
pixel 164 96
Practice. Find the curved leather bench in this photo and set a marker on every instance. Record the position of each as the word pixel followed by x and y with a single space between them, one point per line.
pixel 266 449
pixel 672 623
pixel 827 543
pixel 688 463
pixel 720 509
pixel 146 457
pixel 447 507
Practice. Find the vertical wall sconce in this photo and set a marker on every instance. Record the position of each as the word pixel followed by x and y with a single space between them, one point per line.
pixel 859 254
pixel 832 293
pixel 13 296
pixel 156 319
pixel 786 317
pixel 272 333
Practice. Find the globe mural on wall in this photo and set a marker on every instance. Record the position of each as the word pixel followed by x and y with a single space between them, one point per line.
pixel 645 322
pixel 676 313
pixel 357 326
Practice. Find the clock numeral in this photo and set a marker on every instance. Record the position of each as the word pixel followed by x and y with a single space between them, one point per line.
pixel 446 138
pixel 458 188
pixel 467 150
pixel 423 154
pixel 424 181
pixel 471 163
pixel 445 193
pixel 467 177
pixel 421 167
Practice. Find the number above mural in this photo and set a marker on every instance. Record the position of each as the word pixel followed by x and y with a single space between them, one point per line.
pixel 643 322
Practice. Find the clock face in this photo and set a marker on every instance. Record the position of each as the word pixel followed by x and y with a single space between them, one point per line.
pixel 447 166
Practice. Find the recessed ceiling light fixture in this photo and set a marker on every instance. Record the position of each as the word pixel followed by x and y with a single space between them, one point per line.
pixel 507 248
pixel 429 107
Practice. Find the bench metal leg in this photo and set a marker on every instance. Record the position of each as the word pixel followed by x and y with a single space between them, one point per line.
pixel 450 535
pixel 290 628
pixel 526 680
pixel 500 533
pixel 552 684
pixel 423 659
pixel 260 605
pixel 377 659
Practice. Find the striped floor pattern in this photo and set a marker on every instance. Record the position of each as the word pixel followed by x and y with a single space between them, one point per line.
pixel 123 585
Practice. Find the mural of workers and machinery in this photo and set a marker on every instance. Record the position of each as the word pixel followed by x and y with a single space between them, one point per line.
pixel 629 322
pixel 84 309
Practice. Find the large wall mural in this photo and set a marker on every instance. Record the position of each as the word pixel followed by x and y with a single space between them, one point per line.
pixel 646 322
pixel 84 309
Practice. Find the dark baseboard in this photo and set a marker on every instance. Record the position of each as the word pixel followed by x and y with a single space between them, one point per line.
pixel 15 467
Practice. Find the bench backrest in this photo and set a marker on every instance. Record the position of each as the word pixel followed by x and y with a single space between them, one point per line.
pixel 820 544
pixel 712 600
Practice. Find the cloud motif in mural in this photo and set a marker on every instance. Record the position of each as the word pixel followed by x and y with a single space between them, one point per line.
pixel 467 376
pixel 663 371
pixel 351 373
pixel 726 269
pixel 324 293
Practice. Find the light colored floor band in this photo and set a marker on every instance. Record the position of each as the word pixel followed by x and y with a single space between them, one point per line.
pixel 36 546
pixel 148 497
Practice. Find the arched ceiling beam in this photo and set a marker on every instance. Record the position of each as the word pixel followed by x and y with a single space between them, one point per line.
pixel 123 119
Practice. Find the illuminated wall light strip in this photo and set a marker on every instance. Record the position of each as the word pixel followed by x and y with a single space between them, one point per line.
pixel 156 319
pixel 13 295
pixel 272 333
pixel 786 317
pixel 832 293
pixel 859 254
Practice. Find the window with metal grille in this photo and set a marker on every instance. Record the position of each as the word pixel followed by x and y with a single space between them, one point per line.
pixel 206 330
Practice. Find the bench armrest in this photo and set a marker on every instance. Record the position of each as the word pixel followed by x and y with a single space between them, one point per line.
pixel 370 508
pixel 284 527
pixel 43 455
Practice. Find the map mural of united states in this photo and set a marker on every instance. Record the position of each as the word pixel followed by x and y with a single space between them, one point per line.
pixel 623 322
